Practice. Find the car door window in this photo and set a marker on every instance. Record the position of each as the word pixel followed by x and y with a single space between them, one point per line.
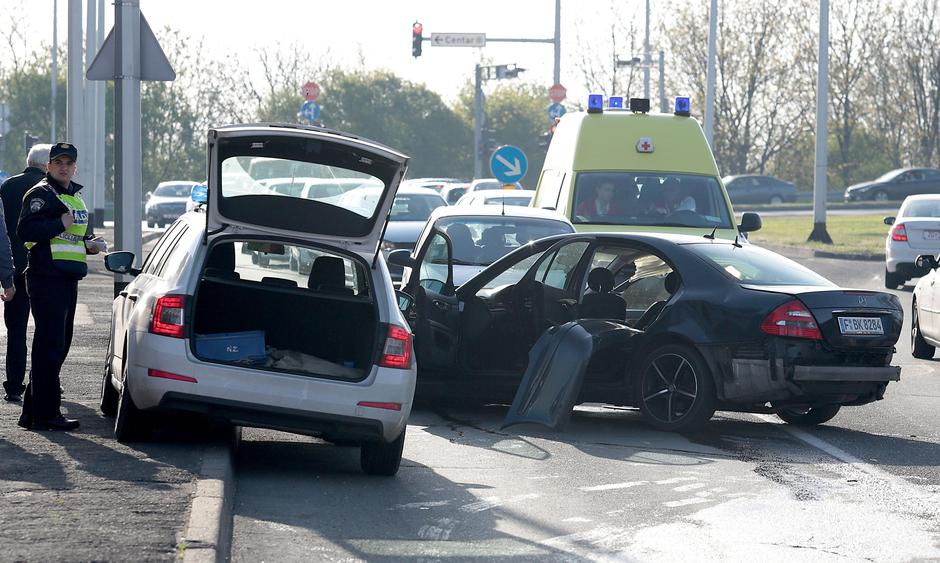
pixel 432 272
pixel 156 255
pixel 558 269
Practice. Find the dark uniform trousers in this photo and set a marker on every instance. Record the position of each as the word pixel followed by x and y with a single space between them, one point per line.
pixel 16 317
pixel 53 301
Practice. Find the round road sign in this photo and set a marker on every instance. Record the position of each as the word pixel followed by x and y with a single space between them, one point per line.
pixel 557 93
pixel 508 164
pixel 310 91
pixel 310 111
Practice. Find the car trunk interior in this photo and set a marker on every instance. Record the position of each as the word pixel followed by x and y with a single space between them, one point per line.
pixel 320 330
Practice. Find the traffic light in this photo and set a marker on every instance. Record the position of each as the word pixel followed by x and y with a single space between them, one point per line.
pixel 416 31
pixel 29 140
pixel 488 142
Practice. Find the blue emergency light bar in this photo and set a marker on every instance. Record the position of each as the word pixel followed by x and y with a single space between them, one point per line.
pixel 683 106
pixel 595 103
pixel 615 102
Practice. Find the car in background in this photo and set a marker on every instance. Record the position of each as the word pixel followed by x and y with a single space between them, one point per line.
pixel 482 184
pixel 519 198
pixel 915 231
pixel 453 192
pixel 753 188
pixel 480 234
pixel 678 326
pixel 436 184
pixel 201 330
pixel 896 184
pixel 167 202
pixel 410 211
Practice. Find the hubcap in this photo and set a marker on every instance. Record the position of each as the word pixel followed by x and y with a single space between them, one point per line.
pixel 669 387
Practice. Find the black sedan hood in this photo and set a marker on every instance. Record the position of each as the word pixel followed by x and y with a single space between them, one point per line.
pixel 862 186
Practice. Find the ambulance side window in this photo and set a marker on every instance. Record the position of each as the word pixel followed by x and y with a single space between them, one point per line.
pixel 549 189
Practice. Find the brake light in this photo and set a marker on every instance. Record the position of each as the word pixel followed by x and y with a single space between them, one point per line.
pixel 898 232
pixel 167 317
pixel 791 319
pixel 168 375
pixel 397 350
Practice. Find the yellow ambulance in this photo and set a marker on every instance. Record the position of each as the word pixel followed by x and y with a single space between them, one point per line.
pixel 623 169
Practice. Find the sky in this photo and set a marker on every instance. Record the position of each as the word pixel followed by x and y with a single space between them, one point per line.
pixel 377 32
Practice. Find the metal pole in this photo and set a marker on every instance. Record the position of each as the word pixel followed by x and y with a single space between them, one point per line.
pixel 710 75
pixel 127 148
pixel 662 83
pixel 477 123
pixel 820 184
pixel 557 69
pixel 74 98
pixel 100 89
pixel 647 56
pixel 89 146
pixel 55 63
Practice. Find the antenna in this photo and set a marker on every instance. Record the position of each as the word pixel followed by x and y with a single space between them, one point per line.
pixel 736 243
pixel 712 235
pixel 503 199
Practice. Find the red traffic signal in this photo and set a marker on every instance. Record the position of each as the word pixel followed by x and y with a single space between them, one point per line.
pixel 416 30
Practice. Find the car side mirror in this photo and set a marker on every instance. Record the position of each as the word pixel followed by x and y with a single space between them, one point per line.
pixel 926 261
pixel 120 262
pixel 148 195
pixel 405 301
pixel 889 220
pixel 401 257
pixel 750 222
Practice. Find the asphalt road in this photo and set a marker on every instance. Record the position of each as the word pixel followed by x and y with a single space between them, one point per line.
pixel 864 487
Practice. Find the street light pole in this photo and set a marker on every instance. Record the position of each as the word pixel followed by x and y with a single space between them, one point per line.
pixel 557 70
pixel 820 180
pixel 710 75
pixel 55 63
pixel 647 56
pixel 477 122
pixel 662 82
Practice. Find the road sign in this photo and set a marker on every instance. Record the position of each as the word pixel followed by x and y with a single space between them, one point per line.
pixel 310 91
pixel 557 93
pixel 508 164
pixel 310 111
pixel 458 40
pixel 555 111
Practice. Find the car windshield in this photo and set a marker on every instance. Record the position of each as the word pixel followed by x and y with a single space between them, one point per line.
pixel 415 207
pixel 480 241
pixel 921 208
pixel 174 190
pixel 243 175
pixel 754 265
pixel 650 198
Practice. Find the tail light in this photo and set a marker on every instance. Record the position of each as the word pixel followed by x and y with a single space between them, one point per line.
pixel 167 317
pixel 397 350
pixel 898 232
pixel 168 375
pixel 791 319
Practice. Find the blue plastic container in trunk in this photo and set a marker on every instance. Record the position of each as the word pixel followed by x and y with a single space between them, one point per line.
pixel 243 347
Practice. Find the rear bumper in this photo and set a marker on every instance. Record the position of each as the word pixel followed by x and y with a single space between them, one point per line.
pixel 839 373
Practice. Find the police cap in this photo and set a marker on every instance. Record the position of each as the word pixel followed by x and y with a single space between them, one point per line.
pixel 63 149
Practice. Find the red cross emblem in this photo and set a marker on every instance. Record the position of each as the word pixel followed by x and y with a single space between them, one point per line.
pixel 645 144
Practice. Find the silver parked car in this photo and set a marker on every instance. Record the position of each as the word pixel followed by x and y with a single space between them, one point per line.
pixel 203 329
pixel 915 231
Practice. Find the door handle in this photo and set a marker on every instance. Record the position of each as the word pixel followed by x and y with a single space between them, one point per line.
pixel 441 305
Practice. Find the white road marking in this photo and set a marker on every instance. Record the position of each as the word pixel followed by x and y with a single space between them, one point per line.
pixel 675 480
pixel 603 536
pixel 440 531
pixel 613 486
pixel 685 502
pixel 577 519
pixel 420 505
pixel 689 487
pixel 494 502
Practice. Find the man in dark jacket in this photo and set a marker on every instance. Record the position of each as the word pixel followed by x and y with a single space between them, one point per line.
pixel 54 228
pixel 16 311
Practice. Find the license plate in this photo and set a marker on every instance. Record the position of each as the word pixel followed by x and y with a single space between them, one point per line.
pixel 931 235
pixel 169 216
pixel 861 325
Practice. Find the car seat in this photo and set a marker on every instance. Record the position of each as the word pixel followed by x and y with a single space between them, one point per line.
pixel 671 285
pixel 602 304
pixel 462 239
pixel 221 261
pixel 493 242
pixel 328 275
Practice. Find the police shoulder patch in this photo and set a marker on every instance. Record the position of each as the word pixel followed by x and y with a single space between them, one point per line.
pixel 36 204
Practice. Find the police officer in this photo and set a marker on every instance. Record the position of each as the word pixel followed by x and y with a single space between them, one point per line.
pixel 54 228
pixel 16 311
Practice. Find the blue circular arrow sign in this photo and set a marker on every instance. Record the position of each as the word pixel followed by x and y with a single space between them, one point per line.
pixel 310 110
pixel 508 164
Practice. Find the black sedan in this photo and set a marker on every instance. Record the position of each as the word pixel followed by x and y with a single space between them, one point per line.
pixel 896 184
pixel 678 326
pixel 753 188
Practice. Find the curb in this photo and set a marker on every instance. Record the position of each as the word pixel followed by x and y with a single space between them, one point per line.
pixel 848 256
pixel 208 534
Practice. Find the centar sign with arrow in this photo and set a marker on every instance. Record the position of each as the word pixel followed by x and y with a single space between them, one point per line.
pixel 508 164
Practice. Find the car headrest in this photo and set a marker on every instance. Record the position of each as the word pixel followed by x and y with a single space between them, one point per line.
pixel 601 280
pixel 222 257
pixel 671 283
pixel 327 272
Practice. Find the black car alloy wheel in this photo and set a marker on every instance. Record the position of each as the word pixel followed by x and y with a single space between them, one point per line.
pixel 674 389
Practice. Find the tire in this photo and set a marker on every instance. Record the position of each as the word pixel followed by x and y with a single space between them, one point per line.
pixel 130 424
pixel 378 458
pixel 775 200
pixel 810 416
pixel 880 195
pixel 892 281
pixel 151 224
pixel 919 347
pixel 674 389
pixel 109 395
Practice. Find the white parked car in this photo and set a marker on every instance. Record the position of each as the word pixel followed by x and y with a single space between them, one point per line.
pixel 202 329
pixel 915 231
pixel 167 202
pixel 925 324
pixel 519 198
